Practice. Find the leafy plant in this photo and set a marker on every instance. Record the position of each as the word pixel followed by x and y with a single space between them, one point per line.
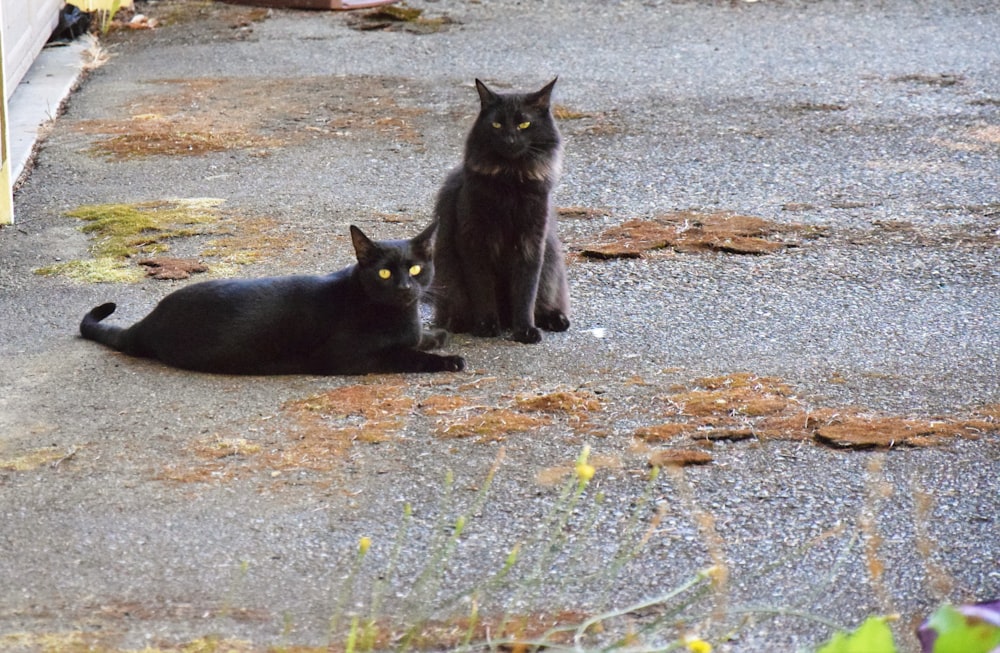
pixel 872 636
pixel 965 629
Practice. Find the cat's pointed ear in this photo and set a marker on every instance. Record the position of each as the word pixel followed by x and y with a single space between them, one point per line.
pixel 541 99
pixel 423 243
pixel 486 96
pixel 364 248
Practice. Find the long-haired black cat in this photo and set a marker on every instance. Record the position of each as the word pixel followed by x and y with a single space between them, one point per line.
pixel 498 258
pixel 362 319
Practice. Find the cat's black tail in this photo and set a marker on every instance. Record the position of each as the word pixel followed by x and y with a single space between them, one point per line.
pixel 106 334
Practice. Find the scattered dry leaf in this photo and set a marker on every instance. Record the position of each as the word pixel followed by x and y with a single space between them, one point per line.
pixel 168 268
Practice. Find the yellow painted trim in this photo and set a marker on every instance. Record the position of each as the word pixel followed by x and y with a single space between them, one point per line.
pixel 6 183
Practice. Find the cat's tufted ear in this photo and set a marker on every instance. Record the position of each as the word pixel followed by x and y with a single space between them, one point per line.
pixel 542 98
pixel 423 243
pixel 486 96
pixel 364 248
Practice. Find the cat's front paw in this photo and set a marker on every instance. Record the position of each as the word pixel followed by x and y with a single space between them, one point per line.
pixel 527 335
pixel 554 321
pixel 488 328
pixel 452 363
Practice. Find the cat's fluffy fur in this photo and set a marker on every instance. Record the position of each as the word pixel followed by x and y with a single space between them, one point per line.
pixel 498 258
pixel 362 319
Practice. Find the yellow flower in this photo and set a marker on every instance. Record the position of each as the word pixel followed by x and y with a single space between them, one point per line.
pixel 364 544
pixel 697 645
pixel 584 472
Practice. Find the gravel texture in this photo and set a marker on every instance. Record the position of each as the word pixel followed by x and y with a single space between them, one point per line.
pixel 877 123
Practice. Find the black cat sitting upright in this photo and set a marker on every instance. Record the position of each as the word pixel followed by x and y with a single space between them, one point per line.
pixel 362 319
pixel 498 258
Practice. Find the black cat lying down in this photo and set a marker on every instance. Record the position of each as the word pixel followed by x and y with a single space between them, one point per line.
pixel 362 319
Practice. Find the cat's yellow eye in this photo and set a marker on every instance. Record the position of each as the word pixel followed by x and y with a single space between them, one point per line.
pixel 496 125
pixel 415 270
pixel 384 274
pixel 524 125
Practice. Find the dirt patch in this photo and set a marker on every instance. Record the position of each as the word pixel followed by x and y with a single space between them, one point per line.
pixel 697 232
pixel 188 117
pixel 743 406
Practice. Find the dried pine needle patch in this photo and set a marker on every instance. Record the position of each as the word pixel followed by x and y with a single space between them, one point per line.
pixel 190 117
pixel 563 112
pixel 734 395
pixel 371 401
pixel 696 232
pixel 33 460
pixel 561 402
pixel 243 240
pixel 442 404
pixel 458 417
pixel 679 458
pixel 860 431
pixel 581 212
pixel 325 426
pixel 744 406
pixel 490 424
pixel 71 641
pixel 227 447
pixel 517 632
pixel 662 432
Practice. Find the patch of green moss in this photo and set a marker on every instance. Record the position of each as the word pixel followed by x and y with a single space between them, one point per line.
pixel 96 270
pixel 120 232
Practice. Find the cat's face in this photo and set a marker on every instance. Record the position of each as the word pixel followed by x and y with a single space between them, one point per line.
pixel 395 272
pixel 516 125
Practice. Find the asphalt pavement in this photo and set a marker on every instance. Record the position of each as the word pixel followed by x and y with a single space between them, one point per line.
pixel 823 415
